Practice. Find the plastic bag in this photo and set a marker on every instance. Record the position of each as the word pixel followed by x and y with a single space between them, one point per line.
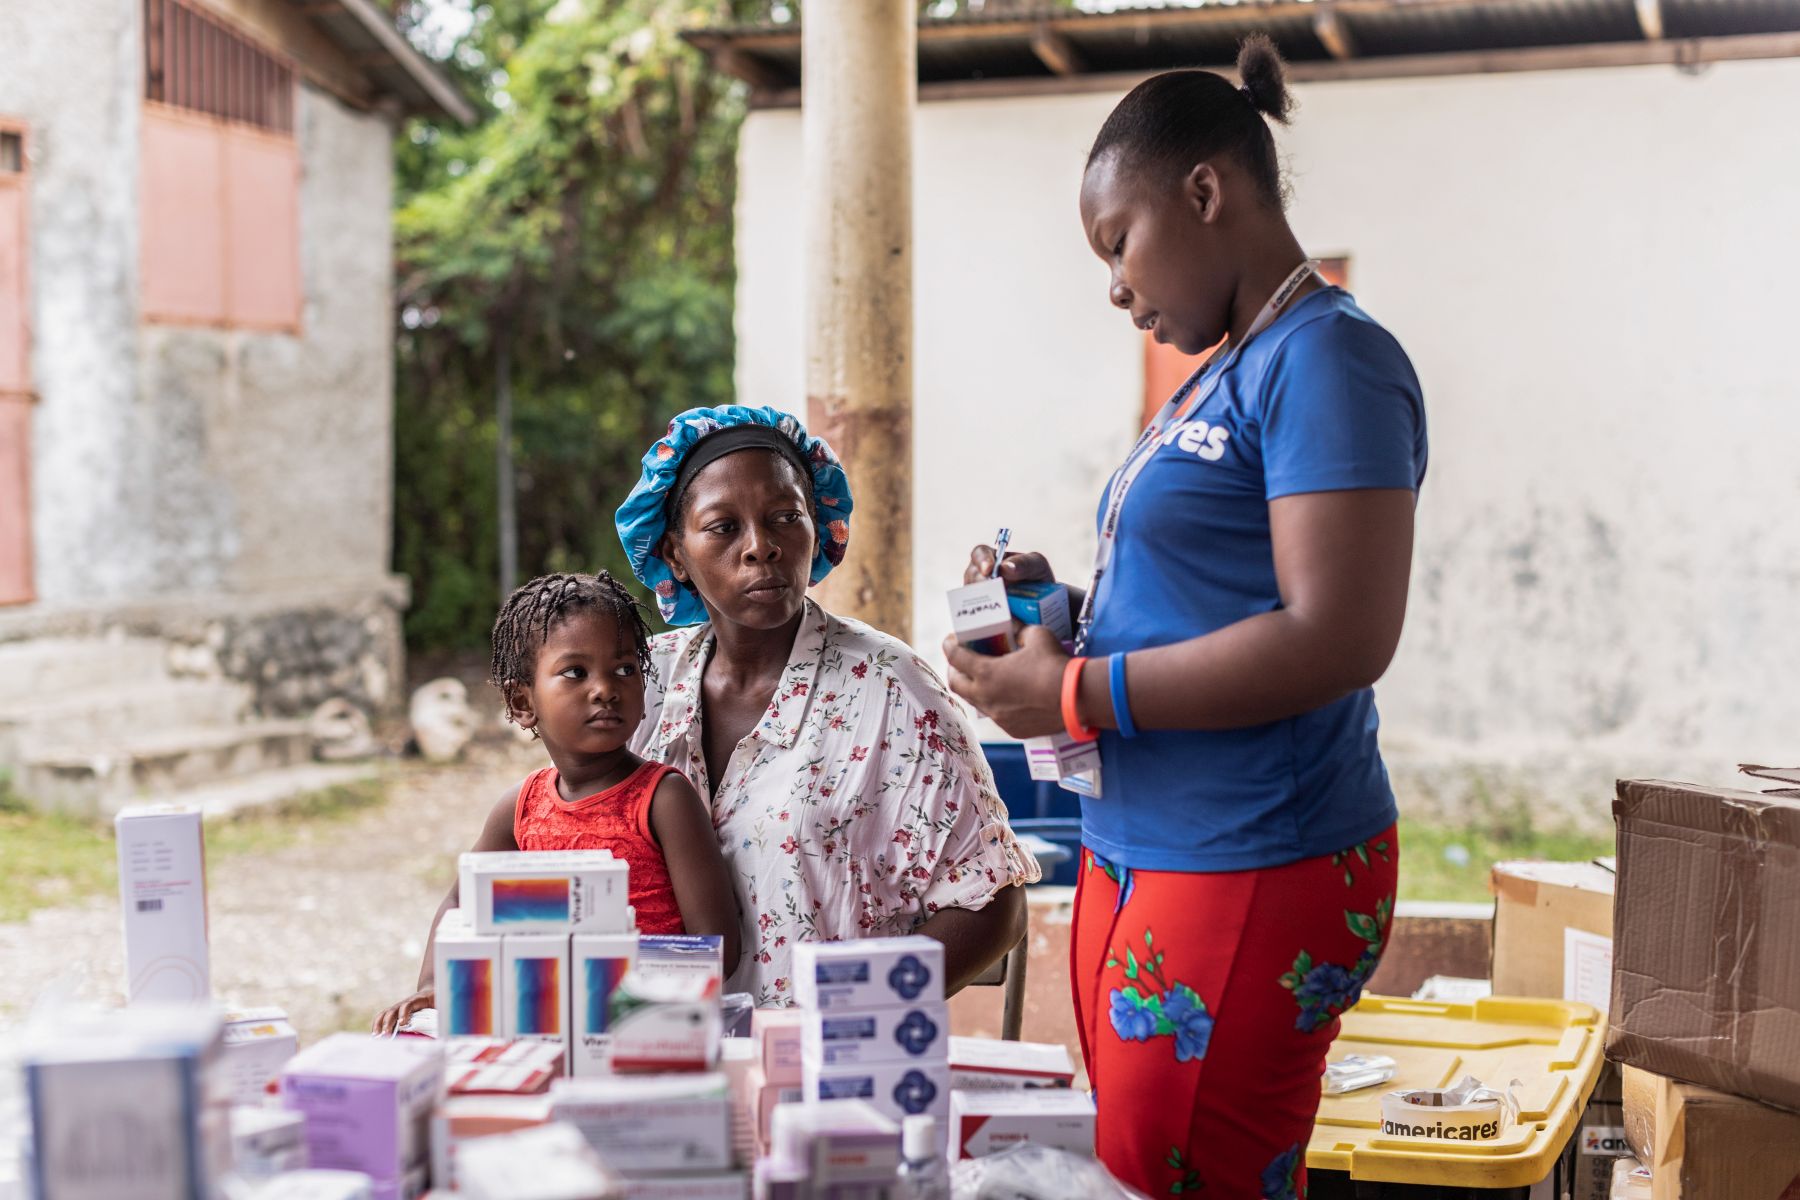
pixel 1355 1072
pixel 1037 1173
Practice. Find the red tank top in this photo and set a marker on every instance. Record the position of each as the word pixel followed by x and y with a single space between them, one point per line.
pixel 618 820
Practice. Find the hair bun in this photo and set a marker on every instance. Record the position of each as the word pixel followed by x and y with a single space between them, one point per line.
pixel 1259 65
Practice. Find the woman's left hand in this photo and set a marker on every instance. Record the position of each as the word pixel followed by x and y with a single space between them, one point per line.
pixel 1021 692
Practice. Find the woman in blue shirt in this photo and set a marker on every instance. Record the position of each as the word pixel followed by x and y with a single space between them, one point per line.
pixel 1239 861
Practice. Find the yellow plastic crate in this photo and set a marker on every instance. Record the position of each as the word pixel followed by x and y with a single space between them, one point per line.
pixel 1552 1047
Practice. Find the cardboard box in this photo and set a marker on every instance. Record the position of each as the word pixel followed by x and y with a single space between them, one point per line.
pixel 650 1123
pixel 1706 948
pixel 664 1022
pixel 989 1064
pixel 868 973
pixel 836 1144
pixel 683 954
pixel 535 987
pixel 1045 604
pixel 598 962
pixel 897 1090
pixel 1536 905
pixel 779 1037
pixel 162 889
pixel 466 970
pixel 256 1044
pixel 124 1106
pixel 877 1035
pixel 581 891
pixel 981 617
pixel 368 1104
pixel 1630 1181
pixel 984 1123
pixel 1705 1145
pixel 462 1119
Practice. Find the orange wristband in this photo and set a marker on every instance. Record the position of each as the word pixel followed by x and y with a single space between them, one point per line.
pixel 1071 703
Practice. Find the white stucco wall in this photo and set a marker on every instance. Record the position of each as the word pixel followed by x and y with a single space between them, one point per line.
pixel 1593 272
pixel 175 460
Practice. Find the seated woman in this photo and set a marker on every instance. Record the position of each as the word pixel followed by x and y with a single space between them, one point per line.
pixel 847 790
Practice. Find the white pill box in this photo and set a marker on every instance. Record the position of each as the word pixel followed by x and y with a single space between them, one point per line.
pixel 460 1120
pixel 869 973
pixel 984 1123
pixel 898 1089
pixel 839 1144
pixel 535 987
pixel 1059 758
pixel 267 1141
pixel 550 1162
pixel 598 963
pixel 257 1044
pixel 877 1035
pixel 981 618
pixel 712 1185
pixel 162 888
pixel 988 1064
pixel 683 954
pixel 663 1022
pixel 650 1123
pixel 466 972
pixel 576 891
pixel 318 1185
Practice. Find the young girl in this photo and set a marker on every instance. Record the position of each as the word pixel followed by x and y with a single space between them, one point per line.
pixel 570 655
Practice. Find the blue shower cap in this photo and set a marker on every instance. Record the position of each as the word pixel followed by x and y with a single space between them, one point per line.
pixel 643 518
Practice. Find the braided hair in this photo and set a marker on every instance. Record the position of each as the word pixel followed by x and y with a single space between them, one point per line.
pixel 530 613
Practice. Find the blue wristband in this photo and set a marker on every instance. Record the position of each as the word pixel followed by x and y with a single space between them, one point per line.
pixel 1121 699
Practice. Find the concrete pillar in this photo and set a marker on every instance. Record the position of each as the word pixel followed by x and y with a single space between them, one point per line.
pixel 859 81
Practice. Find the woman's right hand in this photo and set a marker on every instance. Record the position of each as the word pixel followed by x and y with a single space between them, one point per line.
pixel 391 1019
pixel 1014 568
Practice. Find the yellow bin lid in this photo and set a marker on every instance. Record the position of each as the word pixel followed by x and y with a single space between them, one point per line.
pixel 1552 1047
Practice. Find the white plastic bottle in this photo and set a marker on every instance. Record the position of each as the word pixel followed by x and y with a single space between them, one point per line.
pixel 924 1175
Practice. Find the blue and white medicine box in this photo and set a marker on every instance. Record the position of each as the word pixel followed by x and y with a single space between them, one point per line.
pixel 896 1089
pixel 869 973
pixel 878 1035
pixel 1045 604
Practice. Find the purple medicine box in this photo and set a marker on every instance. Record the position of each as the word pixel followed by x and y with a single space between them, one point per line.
pixel 368 1104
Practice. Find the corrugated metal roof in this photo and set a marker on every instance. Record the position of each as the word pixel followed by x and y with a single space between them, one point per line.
pixel 999 45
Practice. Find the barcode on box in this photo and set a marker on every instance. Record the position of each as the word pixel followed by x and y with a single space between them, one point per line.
pixel 149 905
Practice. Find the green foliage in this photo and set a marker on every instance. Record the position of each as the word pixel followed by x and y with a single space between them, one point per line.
pixel 585 225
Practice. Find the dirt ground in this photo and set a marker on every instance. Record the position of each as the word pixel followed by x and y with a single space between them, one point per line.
pixel 329 923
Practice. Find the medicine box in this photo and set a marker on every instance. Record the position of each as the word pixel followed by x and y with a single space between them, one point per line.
pixel 549 1162
pixel 495 860
pixel 318 1185
pixel 981 617
pixel 368 1104
pixel 869 973
pixel 118 1106
pixel 665 1022
pixel 988 1064
pixel 257 1042
pixel 711 1185
pixel 649 1123
pixel 573 891
pixel 683 954
pixel 877 1035
pixel 162 888
pixel 1059 758
pixel 461 1119
pixel 837 1144
pixel 898 1089
pixel 779 1035
pixel 1045 604
pixel 984 1123
pixel 267 1141
pixel 598 962
pixel 535 987
pixel 499 1067
pixel 466 978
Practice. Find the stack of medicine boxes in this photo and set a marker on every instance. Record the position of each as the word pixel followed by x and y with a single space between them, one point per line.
pixel 536 949
pixel 876 1026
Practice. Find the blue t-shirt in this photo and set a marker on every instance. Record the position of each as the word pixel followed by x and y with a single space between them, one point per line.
pixel 1322 400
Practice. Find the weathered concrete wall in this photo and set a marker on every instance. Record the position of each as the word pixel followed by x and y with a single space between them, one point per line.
pixel 1592 272
pixel 72 72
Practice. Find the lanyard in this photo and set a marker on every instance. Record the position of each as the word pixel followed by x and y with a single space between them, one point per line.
pixel 1186 399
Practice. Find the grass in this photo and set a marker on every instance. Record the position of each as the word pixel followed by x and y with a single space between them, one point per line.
pixel 1439 862
pixel 50 858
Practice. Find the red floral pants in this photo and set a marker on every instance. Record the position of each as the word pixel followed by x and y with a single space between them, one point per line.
pixel 1206 1004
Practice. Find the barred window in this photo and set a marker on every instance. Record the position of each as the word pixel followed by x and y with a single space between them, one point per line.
pixel 194 61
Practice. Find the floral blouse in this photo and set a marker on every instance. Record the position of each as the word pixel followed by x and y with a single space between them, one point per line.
pixel 858 806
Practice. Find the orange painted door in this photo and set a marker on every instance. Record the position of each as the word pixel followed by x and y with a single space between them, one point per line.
pixel 15 372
